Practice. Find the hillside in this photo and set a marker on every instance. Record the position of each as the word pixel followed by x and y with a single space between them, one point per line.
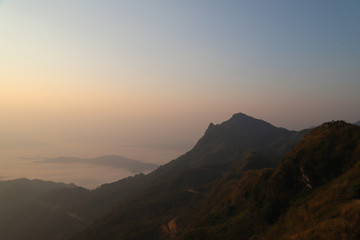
pixel 312 194
pixel 25 216
pixel 42 210
pixel 242 141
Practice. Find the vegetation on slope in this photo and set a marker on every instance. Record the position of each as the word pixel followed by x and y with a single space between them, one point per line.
pixel 273 203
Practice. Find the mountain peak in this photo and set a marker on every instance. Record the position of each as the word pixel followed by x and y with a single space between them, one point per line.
pixel 236 136
pixel 248 123
pixel 241 117
pixel 236 119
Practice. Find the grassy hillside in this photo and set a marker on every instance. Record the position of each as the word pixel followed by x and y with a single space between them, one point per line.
pixel 312 194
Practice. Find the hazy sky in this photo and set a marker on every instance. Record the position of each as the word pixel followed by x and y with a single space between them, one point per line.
pixel 87 77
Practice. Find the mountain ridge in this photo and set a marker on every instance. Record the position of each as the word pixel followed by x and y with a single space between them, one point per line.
pixel 180 183
pixel 25 216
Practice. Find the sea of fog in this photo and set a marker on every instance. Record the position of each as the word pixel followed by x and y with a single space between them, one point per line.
pixel 28 164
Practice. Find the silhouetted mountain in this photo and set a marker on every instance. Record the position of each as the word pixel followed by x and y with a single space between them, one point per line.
pixel 357 123
pixel 227 143
pixel 242 141
pixel 109 160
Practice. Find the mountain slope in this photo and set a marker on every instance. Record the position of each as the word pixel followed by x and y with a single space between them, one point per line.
pixel 183 182
pixel 226 144
pixel 331 212
pixel 261 204
pixel 25 216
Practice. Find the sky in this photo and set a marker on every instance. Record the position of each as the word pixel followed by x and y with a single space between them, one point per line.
pixel 143 79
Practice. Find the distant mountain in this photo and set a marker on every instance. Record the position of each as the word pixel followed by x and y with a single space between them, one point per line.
pixel 109 160
pixel 357 123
